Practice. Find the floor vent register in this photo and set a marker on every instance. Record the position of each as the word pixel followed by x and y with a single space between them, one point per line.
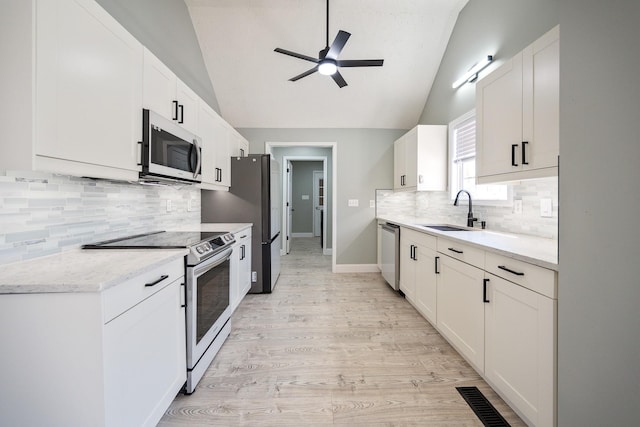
pixel 485 411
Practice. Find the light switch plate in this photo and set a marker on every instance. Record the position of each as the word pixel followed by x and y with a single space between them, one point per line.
pixel 353 203
pixel 546 208
pixel 169 205
pixel 372 203
pixel 305 197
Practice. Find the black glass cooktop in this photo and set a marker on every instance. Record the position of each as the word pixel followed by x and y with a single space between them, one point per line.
pixel 158 239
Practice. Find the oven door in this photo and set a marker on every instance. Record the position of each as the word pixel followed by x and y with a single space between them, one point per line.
pixel 207 304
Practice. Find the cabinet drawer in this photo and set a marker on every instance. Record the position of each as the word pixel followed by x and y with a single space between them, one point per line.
pixel 120 298
pixel 419 238
pixel 537 279
pixel 469 254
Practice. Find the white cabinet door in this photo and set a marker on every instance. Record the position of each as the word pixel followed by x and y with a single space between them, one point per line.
pixel 460 308
pixel 499 119
pixel 407 265
pixel 426 279
pixel 420 159
pixel 188 103
pixel 159 87
pixel 215 154
pixel 541 102
pixel 517 115
pixel 88 86
pixel 165 94
pixel 145 359
pixel 521 348
pixel 240 268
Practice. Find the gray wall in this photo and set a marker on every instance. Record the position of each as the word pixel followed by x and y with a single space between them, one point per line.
pixel 501 27
pixel 599 288
pixel 165 28
pixel 364 164
pixel 302 184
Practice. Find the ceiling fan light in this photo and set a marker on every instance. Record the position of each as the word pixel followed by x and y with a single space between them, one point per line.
pixel 327 67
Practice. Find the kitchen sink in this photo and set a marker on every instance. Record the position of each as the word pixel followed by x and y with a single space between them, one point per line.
pixel 446 227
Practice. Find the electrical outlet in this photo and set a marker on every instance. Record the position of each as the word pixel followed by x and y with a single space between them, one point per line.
pixel 546 208
pixel 353 203
pixel 169 205
pixel 191 205
pixel 517 206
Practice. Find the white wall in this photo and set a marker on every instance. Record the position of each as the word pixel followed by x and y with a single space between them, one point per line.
pixel 599 281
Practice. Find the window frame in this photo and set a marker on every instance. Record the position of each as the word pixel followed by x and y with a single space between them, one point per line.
pixel 453 169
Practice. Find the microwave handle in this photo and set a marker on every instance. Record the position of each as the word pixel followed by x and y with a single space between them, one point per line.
pixel 199 157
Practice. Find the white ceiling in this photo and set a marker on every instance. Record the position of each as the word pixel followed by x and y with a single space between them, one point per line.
pixel 250 80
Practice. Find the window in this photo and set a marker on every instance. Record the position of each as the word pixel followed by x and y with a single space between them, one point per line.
pixel 462 135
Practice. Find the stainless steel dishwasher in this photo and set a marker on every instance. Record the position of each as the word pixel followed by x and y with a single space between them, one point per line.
pixel 390 256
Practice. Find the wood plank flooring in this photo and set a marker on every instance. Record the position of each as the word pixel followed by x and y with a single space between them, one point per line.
pixel 330 349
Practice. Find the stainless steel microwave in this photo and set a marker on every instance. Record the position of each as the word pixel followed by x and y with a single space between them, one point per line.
pixel 169 152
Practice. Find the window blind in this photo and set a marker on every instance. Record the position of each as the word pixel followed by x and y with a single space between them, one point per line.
pixel 465 139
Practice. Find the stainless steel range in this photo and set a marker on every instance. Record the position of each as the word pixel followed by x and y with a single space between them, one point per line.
pixel 207 289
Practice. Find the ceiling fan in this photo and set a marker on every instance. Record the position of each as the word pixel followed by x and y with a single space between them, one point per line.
pixel 327 62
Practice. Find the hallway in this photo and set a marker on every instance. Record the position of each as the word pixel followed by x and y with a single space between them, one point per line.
pixel 330 349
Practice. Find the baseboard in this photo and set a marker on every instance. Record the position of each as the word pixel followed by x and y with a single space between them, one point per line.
pixel 357 268
pixel 301 234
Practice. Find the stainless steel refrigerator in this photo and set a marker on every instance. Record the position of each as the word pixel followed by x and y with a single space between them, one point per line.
pixel 255 196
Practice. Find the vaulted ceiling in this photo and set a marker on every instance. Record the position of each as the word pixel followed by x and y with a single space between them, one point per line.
pixel 251 81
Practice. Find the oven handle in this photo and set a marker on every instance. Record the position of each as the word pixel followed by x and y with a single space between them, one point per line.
pixel 211 263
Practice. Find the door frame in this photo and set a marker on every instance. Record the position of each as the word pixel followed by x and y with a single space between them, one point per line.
pixel 317 224
pixel 334 188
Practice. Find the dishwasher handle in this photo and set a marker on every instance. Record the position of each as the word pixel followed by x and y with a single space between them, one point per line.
pixel 390 227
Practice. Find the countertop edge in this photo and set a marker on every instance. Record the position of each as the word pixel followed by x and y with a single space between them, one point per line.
pixel 452 236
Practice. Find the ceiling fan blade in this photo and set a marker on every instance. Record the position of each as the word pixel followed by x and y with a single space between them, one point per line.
pixel 305 74
pixel 296 55
pixel 337 77
pixel 361 63
pixel 338 45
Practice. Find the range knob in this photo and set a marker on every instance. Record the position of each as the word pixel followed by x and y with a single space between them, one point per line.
pixel 199 249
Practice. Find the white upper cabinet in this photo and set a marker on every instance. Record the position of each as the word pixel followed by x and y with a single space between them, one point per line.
pixel 164 93
pixel 216 160
pixel 517 111
pixel 83 71
pixel 420 159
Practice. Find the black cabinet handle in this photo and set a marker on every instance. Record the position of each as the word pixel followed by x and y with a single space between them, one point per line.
pixel 517 273
pixel 411 251
pixel 513 154
pixel 437 261
pixel 524 151
pixel 484 290
pixel 456 251
pixel 181 107
pixel 242 252
pixel 164 276
pixel 175 110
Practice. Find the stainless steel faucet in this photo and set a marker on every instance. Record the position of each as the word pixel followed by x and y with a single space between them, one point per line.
pixel 470 218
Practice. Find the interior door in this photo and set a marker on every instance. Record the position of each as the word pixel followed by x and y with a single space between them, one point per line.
pixel 289 206
pixel 318 202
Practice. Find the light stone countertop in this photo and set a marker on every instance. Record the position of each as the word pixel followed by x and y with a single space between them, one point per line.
pixel 82 270
pixel 534 250
pixel 93 270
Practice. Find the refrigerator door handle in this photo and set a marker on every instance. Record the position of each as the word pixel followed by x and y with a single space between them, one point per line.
pixel 272 239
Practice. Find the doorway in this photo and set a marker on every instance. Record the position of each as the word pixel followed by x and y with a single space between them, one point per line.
pixel 288 154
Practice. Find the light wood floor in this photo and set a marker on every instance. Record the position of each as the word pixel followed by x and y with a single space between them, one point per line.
pixel 330 349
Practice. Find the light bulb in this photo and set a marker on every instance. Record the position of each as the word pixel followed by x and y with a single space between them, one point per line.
pixel 327 67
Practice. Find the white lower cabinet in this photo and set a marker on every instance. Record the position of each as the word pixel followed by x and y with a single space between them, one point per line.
pixel 499 313
pixel 111 358
pixel 520 346
pixel 240 268
pixel 461 308
pixel 420 276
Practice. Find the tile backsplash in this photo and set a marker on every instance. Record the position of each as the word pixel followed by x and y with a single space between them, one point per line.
pixel 41 214
pixel 438 207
